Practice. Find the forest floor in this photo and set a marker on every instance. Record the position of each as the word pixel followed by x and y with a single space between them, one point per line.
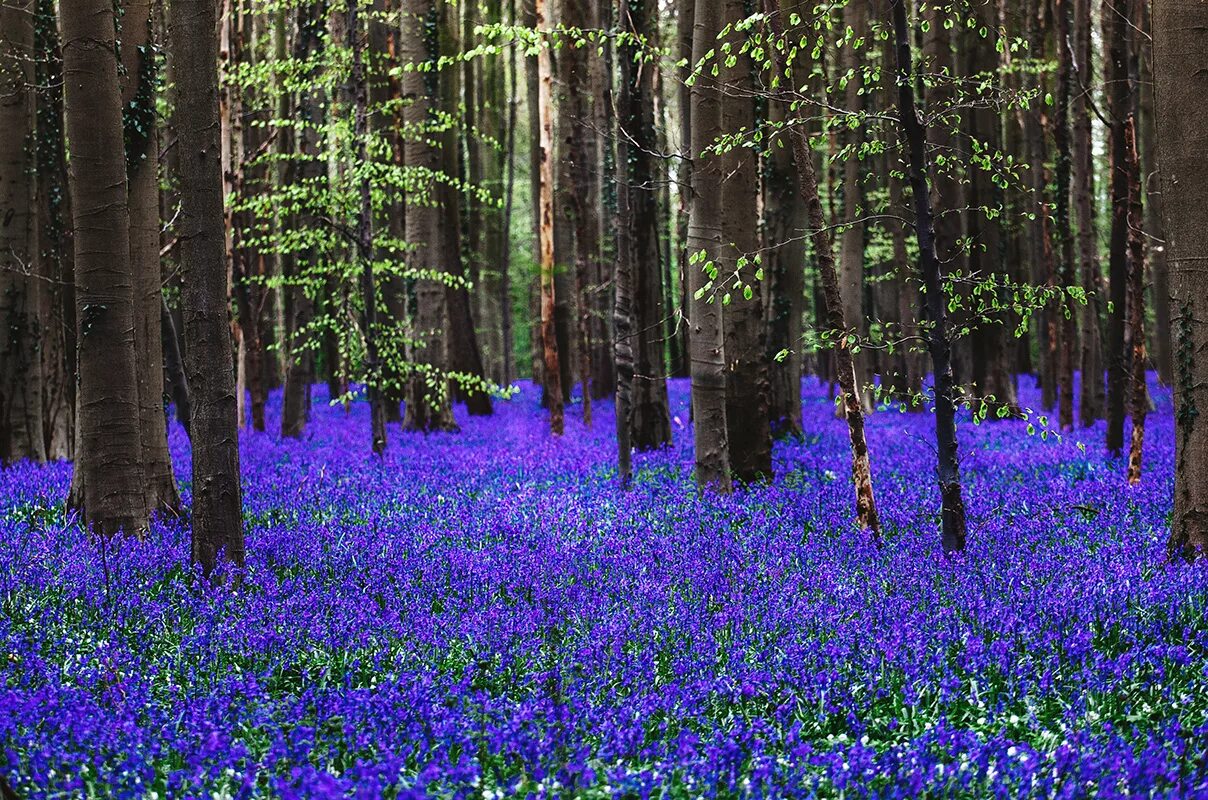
pixel 485 614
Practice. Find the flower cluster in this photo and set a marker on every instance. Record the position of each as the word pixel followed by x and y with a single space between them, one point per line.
pixel 486 614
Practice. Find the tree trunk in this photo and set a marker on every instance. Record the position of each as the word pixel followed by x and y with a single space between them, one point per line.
pixel 299 306
pixel 1152 196
pixel 851 246
pixel 1091 397
pixel 807 188
pixel 1138 395
pixel 706 249
pixel 22 421
pixel 108 485
pixel 1066 332
pixel 217 502
pixel 1180 40
pixel 358 87
pixel 545 112
pixel 142 169
pixel 636 143
pixel 948 471
pixel 1119 94
pixel 428 401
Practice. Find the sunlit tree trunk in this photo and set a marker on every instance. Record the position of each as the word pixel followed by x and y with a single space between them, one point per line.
pixel 1091 395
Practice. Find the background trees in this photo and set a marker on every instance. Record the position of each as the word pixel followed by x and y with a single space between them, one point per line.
pixel 371 160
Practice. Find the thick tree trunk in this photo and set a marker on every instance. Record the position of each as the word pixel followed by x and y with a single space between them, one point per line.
pixel 948 470
pixel 1180 38
pixel 807 189
pixel 636 143
pixel 748 429
pixel 109 484
pixel 142 169
pixel 706 262
pixel 22 433
pixel 1091 398
pixel 428 400
pixel 217 500
pixel 1119 100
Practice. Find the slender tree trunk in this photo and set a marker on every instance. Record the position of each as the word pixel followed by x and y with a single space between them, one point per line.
pixel 1139 396
pixel 428 401
pixel 108 485
pixel 1180 41
pixel 309 169
pixel 948 471
pixel 1152 195
pixel 685 22
pixel 1091 398
pixel 851 247
pixel 22 432
pixel 358 87
pixel 142 169
pixel 217 501
pixel 1119 93
pixel 1066 332
pixel 58 344
pixel 545 111
pixel 636 143
pixel 509 184
pixel 174 367
pixel 807 187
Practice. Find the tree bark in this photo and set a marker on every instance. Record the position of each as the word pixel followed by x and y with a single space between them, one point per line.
pixel 1091 397
pixel 807 189
pixel 1066 332
pixel 428 400
pixel 108 485
pixel 705 267
pixel 1180 40
pixel 545 112
pixel 22 420
pixel 1119 94
pixel 948 471
pixel 358 87
pixel 636 144
pixel 1138 396
pixel 142 169
pixel 217 502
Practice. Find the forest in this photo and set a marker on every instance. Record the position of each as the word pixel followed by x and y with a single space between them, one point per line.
pixel 603 398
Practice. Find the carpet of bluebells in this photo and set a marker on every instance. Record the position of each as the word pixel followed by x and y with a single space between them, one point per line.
pixel 485 614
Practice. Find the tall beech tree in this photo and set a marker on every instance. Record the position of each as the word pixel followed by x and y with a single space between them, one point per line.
pixel 428 401
pixel 217 499
pixel 22 433
pixel 553 382
pixel 1091 396
pixel 139 77
pixel 109 482
pixel 707 259
pixel 948 469
pixel 1180 42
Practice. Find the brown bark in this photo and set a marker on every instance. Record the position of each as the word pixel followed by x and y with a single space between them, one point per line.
pixel 1180 37
pixel 1138 396
pixel 636 144
pixel 142 161
pixel 545 112
pixel 807 188
pixel 428 401
pixel 217 501
pixel 22 432
pixel 108 483
pixel 851 247
pixel 1066 332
